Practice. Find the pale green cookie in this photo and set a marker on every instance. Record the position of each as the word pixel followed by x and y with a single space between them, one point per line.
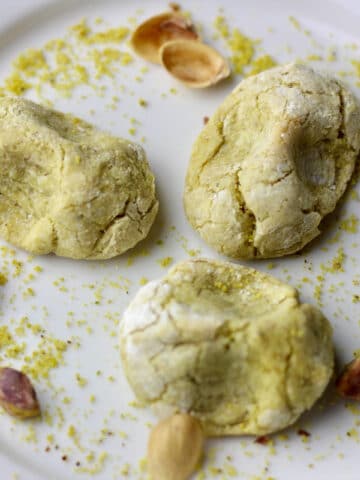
pixel 229 344
pixel 68 188
pixel 274 159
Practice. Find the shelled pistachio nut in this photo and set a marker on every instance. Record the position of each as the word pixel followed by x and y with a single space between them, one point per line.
pixel 17 395
pixel 175 448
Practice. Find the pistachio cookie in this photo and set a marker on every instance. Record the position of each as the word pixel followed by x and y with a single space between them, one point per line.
pixel 68 188
pixel 274 159
pixel 228 344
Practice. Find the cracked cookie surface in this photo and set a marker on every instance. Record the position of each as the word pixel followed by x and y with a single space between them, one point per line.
pixel 231 345
pixel 68 188
pixel 274 159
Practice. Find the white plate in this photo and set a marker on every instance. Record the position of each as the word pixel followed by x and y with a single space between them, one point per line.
pixel 98 292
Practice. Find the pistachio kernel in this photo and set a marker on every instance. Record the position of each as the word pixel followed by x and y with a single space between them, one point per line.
pixel 17 395
pixel 348 383
pixel 175 448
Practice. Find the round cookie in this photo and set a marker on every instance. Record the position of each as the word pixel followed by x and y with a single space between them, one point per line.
pixel 274 159
pixel 68 188
pixel 231 345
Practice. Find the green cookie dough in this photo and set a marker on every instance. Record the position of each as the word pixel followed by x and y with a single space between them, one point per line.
pixel 231 345
pixel 68 188
pixel 274 159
